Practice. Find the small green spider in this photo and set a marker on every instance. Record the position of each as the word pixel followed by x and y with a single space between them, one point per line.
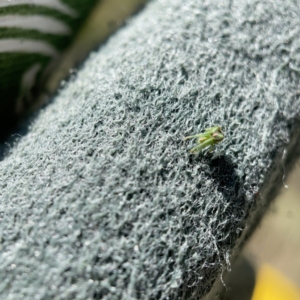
pixel 208 139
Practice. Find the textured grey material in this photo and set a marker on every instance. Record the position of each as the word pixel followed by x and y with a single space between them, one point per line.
pixel 101 198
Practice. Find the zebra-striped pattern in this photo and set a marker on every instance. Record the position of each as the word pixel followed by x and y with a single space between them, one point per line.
pixel 33 34
pixel 54 4
pixel 40 23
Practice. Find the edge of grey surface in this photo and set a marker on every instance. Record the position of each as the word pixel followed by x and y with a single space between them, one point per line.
pixel 282 166
pixel 101 197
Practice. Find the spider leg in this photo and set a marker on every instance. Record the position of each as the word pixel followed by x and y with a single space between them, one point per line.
pixel 200 135
pixel 201 146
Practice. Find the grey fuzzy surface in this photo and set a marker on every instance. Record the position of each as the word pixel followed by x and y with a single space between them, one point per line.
pixel 101 198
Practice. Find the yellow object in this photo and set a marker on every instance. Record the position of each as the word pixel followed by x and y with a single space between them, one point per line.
pixel 272 285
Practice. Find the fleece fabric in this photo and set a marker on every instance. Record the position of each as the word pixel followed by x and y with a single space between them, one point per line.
pixel 100 197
